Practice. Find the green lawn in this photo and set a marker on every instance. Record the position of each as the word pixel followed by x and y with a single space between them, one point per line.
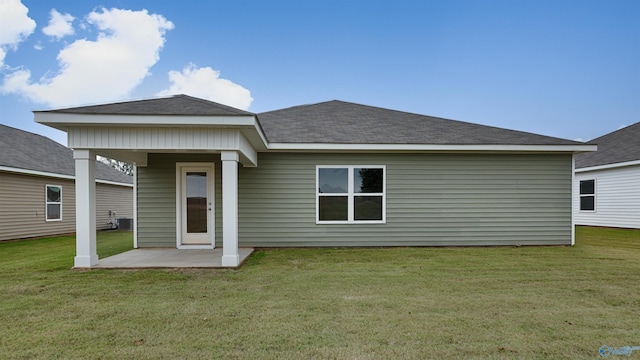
pixel 393 303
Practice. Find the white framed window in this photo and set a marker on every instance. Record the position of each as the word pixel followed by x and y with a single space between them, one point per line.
pixel 53 202
pixel 354 194
pixel 588 195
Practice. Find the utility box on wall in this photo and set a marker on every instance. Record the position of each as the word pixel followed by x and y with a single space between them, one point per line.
pixel 125 224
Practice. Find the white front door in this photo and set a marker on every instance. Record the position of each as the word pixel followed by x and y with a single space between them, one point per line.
pixel 195 205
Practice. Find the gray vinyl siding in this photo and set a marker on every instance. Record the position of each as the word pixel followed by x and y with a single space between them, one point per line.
pixel 22 205
pixel 432 200
pixel 157 198
pixel 118 199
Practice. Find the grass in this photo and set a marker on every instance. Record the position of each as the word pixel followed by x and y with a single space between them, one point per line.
pixel 409 303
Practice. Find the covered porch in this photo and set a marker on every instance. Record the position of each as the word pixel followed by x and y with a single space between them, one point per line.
pixel 134 132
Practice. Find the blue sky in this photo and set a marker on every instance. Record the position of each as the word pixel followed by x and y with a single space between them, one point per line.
pixel 564 68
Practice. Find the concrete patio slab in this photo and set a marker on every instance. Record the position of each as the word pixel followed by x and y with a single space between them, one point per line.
pixel 168 258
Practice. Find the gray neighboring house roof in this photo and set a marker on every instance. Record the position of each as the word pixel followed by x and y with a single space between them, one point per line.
pixel 24 150
pixel 616 147
pixel 348 123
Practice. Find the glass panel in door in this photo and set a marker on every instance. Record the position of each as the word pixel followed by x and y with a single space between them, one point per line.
pixel 196 191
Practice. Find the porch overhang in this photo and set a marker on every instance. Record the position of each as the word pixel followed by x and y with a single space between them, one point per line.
pixel 132 137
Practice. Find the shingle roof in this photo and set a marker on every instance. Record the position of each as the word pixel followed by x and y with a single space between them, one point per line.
pixel 348 123
pixel 175 105
pixel 334 122
pixel 28 151
pixel 619 146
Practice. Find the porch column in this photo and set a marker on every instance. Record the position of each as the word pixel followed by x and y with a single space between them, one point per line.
pixel 86 255
pixel 230 255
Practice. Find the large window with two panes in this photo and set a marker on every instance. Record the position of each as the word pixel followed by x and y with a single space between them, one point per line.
pixel 350 194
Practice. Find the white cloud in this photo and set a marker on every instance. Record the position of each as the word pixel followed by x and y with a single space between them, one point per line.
pixel 206 83
pixel 59 25
pixel 16 26
pixel 105 69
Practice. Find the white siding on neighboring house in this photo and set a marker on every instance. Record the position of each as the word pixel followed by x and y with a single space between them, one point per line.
pixel 617 197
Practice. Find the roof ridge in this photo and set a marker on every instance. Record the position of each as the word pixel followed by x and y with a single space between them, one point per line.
pixel 626 128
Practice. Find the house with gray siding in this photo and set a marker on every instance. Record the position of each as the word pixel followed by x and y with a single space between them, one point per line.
pixel 328 174
pixel 607 182
pixel 37 180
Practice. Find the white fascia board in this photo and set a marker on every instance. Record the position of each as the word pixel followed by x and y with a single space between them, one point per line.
pixel 428 147
pixel 36 173
pixel 609 166
pixel 247 123
pixel 54 175
pixel 108 182
pixel 63 120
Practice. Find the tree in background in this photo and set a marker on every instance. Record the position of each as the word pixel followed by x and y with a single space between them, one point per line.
pixel 118 165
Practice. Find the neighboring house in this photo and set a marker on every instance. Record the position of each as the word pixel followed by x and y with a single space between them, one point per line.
pixel 38 188
pixel 327 174
pixel 607 182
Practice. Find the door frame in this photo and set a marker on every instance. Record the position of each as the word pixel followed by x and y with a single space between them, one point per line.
pixel 209 167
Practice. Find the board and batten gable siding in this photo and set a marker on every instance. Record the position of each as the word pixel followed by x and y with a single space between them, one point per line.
pixel 617 198
pixel 157 198
pixel 23 207
pixel 432 200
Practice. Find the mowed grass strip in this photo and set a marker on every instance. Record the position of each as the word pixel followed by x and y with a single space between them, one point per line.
pixel 404 303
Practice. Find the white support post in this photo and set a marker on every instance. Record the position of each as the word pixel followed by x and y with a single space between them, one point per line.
pixel 135 206
pixel 86 254
pixel 573 199
pixel 230 257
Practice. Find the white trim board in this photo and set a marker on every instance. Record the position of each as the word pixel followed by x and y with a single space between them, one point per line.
pixel 58 176
pixel 608 166
pixel 428 147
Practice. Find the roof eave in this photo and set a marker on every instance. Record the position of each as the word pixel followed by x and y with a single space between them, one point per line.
pixel 63 121
pixel 608 166
pixel 430 147
pixel 22 171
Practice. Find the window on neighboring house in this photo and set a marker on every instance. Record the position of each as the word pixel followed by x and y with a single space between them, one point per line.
pixel 350 194
pixel 587 195
pixel 54 202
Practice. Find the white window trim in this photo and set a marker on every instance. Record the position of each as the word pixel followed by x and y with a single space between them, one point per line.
pixel 351 195
pixel 47 202
pixel 580 195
